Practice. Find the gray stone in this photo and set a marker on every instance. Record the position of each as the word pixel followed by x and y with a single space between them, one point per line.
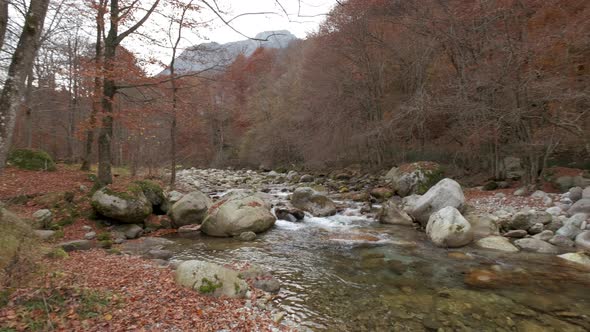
pixel 446 193
pixel 483 224
pixel 76 245
pixel 412 178
pixel 170 198
pixel 575 194
pixel 189 229
pixel 313 202
pixel 578 258
pixel 516 233
pixel 564 182
pixel 581 206
pixel 44 234
pixel 190 209
pixel 496 243
pixel 306 178
pixel 562 241
pixel 448 228
pixel 583 241
pixel 132 207
pixel 554 211
pixel 132 231
pixel 247 236
pixel 520 192
pixel 160 254
pixel 536 228
pixel 545 235
pixel 586 192
pixel 391 214
pixel 271 285
pixel 539 194
pixel 211 279
pixel 572 226
pixel 90 236
pixel 237 213
pixel 536 245
pixel 43 217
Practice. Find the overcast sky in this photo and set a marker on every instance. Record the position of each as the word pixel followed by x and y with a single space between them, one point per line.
pixel 299 17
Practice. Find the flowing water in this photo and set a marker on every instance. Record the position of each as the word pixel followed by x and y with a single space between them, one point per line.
pixel 349 273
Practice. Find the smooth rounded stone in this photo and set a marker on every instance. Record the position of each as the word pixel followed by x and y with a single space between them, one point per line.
pixel 572 226
pixel 527 219
pixel 76 245
pixel 520 192
pixel 583 241
pixel 128 231
pixel 554 211
pixel 575 194
pixel 446 193
pixel 536 245
pixel 539 194
pixel 189 229
pixel 306 178
pixel 309 200
pixel 86 228
pixel 43 217
pixel 160 254
pixel 497 243
pixel 292 215
pixel 391 214
pixel 170 198
pixel 448 228
pixel 118 241
pixel 90 236
pixel 562 241
pixel 586 192
pixel 44 234
pixel 247 236
pixel 578 258
pixel 536 228
pixel 211 279
pixel 236 213
pixel 581 206
pixel 413 178
pixel 292 175
pixel 545 235
pixel 190 209
pixel 271 285
pixel 483 224
pixel 126 207
pixel 500 195
pixel 516 233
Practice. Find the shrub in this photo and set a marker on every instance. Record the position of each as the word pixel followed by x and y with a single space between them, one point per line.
pixel 34 160
pixel 17 249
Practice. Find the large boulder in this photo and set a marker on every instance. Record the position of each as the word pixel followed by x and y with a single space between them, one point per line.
pixel 583 241
pixel 578 258
pixel 152 191
pixel 448 228
pixel 127 207
pixel 581 206
pixel 190 209
pixel 391 214
pixel 414 178
pixel 309 200
pixel 235 214
pixel 211 279
pixel 445 193
pixel 483 224
pixel 527 219
pixel 536 245
pixel 30 159
pixel 170 198
pixel 496 243
pixel 572 226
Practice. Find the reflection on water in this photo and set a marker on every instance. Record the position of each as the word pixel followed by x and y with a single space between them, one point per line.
pixel 349 273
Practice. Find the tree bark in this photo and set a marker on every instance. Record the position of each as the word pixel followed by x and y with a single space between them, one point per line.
pixel 22 61
pixel 3 20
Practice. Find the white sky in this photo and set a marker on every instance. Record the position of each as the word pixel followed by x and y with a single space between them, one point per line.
pixel 303 18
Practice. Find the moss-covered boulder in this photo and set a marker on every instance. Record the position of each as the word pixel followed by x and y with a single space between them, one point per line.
pixel 414 178
pixel 30 159
pixel 211 279
pixel 130 206
pixel 152 191
pixel 17 244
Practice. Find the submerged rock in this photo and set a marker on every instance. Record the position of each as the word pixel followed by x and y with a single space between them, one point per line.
pixel 211 279
pixel 448 228
pixel 536 245
pixel 309 200
pixel 446 193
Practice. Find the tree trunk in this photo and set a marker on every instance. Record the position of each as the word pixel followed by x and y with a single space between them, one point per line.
pixel 22 61
pixel 3 20
pixel 29 110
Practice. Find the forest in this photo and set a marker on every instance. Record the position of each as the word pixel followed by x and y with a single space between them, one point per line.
pixel 407 165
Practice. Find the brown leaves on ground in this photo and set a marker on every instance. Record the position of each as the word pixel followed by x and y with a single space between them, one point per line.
pixel 101 292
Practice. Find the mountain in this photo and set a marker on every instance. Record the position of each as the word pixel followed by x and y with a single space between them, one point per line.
pixel 214 56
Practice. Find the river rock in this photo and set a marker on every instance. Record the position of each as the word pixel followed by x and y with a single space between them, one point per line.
pixel 127 207
pixel 554 211
pixel 575 194
pixel 572 226
pixel 578 258
pixel 536 228
pixel 90 236
pixel 526 220
pixel 76 245
pixel 586 192
pixel 483 224
pixel 446 193
pixel 170 198
pixel 306 178
pixel 160 254
pixel 292 215
pixel 190 209
pixel 309 200
pixel 562 241
pixel 128 231
pixel 581 206
pixel 237 213
pixel 381 193
pixel 43 217
pixel 545 235
pixel 448 228
pixel 391 214
pixel 535 245
pixel 270 285
pixel 247 236
pixel 583 241
pixel 497 243
pixel 414 178
pixel 516 233
pixel 211 279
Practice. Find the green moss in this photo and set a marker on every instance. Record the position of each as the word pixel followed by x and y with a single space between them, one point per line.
pixel 57 253
pixel 149 186
pixel 490 186
pixel 30 159
pixel 59 234
pixel 208 286
pixel 105 244
pixel 236 287
pixel 114 251
pixel 432 177
pixel 104 236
